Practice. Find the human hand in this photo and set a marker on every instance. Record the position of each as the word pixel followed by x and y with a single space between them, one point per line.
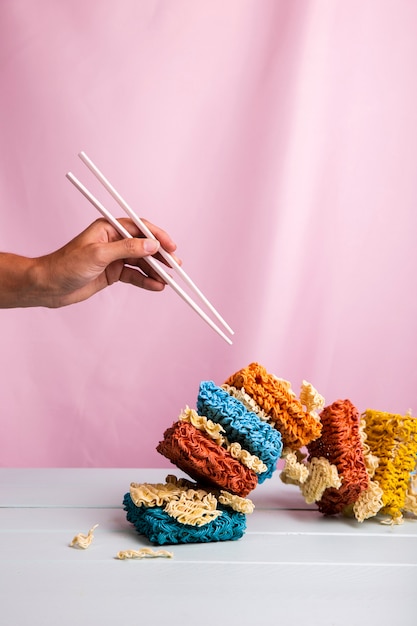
pixel 97 258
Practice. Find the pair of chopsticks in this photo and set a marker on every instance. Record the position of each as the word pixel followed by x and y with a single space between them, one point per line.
pixel 157 267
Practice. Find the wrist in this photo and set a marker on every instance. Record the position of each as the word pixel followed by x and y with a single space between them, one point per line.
pixel 16 280
pixel 40 283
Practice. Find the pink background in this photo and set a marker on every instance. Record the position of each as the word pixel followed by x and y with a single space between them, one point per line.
pixel 276 141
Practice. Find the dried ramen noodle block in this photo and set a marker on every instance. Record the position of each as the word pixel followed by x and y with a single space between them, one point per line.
pixel 229 444
pixel 185 513
pixel 298 424
pixel 241 425
pixel 361 465
pixel 340 444
pixel 392 440
pixel 205 461
pixel 222 444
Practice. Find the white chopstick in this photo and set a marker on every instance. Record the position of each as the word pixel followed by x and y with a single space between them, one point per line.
pixel 149 259
pixel 145 230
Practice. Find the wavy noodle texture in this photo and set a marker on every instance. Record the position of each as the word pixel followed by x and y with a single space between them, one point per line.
pixel 205 461
pixel 144 553
pixel 162 529
pixel 214 431
pixel 410 504
pixel 83 541
pixel 369 502
pixel 185 501
pixel 322 475
pixel 250 460
pixel 195 511
pixel 312 400
pixel 393 439
pixel 371 461
pixel 313 478
pixel 294 472
pixel 275 397
pixel 188 505
pixel 158 494
pixel 241 505
pixel 285 384
pixel 341 445
pixel 241 425
pixel 246 400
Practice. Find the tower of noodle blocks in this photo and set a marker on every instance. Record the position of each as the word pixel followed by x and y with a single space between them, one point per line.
pixel 360 465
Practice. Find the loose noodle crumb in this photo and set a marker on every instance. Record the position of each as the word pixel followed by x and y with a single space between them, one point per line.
pixel 144 553
pixel 83 541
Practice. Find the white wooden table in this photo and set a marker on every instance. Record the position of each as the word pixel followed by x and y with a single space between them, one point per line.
pixel 292 565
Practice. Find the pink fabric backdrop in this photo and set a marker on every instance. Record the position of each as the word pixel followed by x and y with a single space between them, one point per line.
pixel 276 141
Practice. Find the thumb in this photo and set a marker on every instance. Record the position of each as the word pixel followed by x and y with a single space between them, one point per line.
pixel 150 246
pixel 134 248
pixel 130 248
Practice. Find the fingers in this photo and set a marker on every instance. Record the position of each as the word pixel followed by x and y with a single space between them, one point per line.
pixel 131 252
pixel 162 236
pixel 127 249
pixel 136 278
pixel 125 259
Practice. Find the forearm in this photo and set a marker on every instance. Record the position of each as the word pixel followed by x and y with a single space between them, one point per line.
pixel 19 282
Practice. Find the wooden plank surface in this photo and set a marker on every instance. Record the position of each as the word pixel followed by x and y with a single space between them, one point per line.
pixel 292 564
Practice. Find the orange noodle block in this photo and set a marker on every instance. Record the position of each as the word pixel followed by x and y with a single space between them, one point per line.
pixel 275 397
pixel 204 460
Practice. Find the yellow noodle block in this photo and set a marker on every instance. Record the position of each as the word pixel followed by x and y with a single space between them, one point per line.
pixel 393 439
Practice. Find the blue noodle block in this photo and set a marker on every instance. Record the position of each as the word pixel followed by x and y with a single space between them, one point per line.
pixel 243 426
pixel 160 528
